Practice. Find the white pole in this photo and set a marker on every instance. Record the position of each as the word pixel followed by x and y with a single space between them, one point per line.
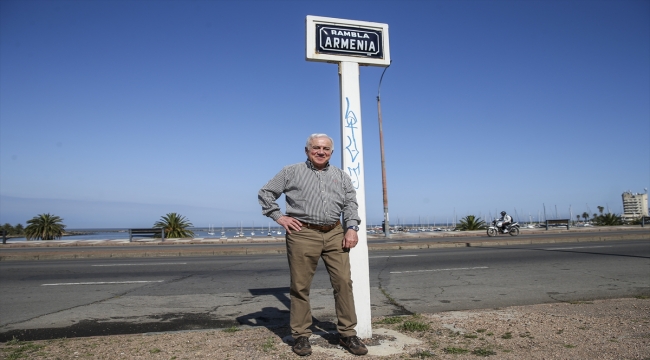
pixel 352 163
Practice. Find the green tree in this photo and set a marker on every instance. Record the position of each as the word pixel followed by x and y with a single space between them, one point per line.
pixel 609 219
pixel 19 229
pixel 175 226
pixel 636 221
pixel 44 227
pixel 585 216
pixel 600 209
pixel 7 228
pixel 471 222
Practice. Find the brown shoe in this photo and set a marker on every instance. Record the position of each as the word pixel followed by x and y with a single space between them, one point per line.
pixel 354 345
pixel 301 346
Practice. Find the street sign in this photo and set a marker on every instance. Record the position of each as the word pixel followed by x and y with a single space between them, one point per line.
pixel 342 40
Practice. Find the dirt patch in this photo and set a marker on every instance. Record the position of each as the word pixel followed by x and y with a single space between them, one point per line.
pixel 602 329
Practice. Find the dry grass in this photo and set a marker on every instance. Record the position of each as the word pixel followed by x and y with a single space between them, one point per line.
pixel 607 329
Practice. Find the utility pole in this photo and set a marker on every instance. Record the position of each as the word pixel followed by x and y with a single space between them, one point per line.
pixel 383 159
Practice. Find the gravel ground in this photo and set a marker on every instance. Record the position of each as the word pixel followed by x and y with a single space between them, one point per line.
pixel 601 329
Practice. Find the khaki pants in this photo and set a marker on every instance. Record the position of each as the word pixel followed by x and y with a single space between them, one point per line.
pixel 304 248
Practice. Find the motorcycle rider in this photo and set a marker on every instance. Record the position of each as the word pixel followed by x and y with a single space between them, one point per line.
pixel 505 220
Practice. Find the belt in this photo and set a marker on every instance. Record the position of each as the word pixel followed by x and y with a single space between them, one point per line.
pixel 322 228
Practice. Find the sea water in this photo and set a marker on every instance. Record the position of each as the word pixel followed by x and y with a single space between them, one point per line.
pixel 123 234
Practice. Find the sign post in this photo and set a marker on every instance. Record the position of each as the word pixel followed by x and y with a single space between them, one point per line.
pixel 351 43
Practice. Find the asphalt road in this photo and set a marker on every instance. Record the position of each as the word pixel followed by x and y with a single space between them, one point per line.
pixel 84 297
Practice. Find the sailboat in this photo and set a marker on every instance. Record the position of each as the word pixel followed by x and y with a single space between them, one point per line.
pixel 240 233
pixel 269 233
pixel 223 233
pixel 210 230
pixel 253 232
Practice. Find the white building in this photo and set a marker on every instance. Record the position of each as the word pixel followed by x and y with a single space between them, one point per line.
pixel 634 205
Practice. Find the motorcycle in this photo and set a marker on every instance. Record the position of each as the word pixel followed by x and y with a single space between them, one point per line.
pixel 496 228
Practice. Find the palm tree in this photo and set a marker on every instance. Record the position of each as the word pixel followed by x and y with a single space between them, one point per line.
pixel 600 209
pixel 471 222
pixel 585 216
pixel 175 226
pixel 609 219
pixel 44 227
pixel 7 228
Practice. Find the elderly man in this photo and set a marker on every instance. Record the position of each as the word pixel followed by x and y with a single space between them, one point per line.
pixel 316 194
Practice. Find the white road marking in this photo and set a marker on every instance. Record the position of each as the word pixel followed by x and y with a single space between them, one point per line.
pixel 106 283
pixel 387 256
pixel 450 269
pixel 146 264
pixel 577 247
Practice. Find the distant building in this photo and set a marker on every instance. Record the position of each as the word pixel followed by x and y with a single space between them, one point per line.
pixel 634 205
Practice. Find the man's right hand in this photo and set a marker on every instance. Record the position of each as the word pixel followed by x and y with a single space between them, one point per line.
pixel 289 223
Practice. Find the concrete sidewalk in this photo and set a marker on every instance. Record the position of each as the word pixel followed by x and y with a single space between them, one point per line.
pixel 599 329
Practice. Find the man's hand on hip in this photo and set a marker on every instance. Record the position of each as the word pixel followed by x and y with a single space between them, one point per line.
pixel 289 223
pixel 351 239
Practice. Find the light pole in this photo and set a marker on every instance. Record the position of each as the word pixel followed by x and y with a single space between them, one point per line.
pixel 383 160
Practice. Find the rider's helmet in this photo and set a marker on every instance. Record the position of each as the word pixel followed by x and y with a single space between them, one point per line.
pixel 503 213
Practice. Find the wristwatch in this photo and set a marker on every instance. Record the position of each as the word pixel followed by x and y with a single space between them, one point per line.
pixel 355 228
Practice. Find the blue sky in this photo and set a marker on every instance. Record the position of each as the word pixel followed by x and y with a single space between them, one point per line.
pixel 114 113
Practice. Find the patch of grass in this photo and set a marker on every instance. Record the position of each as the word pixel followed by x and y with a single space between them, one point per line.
pixel 483 352
pixel 414 326
pixel 455 350
pixel 154 351
pixel 21 349
pixel 507 335
pixel 580 302
pixel 390 320
pixel 481 330
pixel 231 329
pixel 642 297
pixel 470 336
pixel 489 334
pixel 421 354
pixel 569 346
pixel 560 331
pixel 525 335
pixel 583 328
pixel 13 341
pixel 268 345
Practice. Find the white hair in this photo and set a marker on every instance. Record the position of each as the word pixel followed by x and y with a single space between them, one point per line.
pixel 314 136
